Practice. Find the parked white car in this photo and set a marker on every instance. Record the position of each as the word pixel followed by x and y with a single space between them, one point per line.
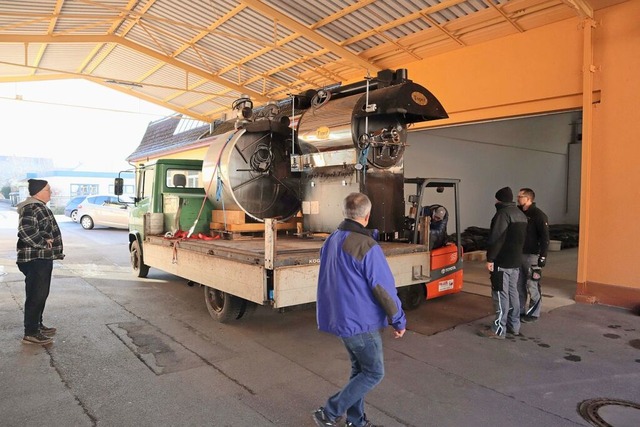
pixel 105 210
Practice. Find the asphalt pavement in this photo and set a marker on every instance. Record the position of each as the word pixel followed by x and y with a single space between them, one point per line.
pixel 145 352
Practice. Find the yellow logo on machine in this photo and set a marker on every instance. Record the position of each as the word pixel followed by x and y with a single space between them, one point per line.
pixel 419 98
pixel 323 132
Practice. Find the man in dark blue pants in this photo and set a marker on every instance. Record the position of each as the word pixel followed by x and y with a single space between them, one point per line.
pixel 357 298
pixel 39 243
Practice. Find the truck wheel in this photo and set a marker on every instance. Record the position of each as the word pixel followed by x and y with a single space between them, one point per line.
pixel 140 269
pixel 222 306
pixel 411 296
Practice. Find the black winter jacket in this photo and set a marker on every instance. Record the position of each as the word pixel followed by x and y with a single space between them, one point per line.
pixel 506 236
pixel 537 239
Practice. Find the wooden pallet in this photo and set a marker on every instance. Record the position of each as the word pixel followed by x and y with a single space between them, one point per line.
pixel 231 231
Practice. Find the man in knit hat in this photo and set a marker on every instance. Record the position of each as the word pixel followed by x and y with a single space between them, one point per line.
pixel 504 256
pixel 39 243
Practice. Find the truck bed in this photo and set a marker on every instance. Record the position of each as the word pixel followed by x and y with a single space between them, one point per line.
pixel 290 250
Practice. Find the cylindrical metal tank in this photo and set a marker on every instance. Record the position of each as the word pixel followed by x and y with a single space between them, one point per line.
pixel 250 171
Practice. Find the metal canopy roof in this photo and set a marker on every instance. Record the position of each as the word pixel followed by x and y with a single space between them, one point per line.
pixel 196 57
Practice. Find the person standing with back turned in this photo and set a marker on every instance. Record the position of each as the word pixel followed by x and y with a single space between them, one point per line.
pixel 39 243
pixel 534 255
pixel 356 299
pixel 504 256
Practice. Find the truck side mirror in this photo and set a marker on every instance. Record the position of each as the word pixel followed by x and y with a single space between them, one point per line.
pixel 118 186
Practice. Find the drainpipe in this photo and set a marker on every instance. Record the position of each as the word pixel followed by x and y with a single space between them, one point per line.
pixel 587 138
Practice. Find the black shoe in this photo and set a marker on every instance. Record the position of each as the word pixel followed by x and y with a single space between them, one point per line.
pixel 515 334
pixel 47 331
pixel 529 319
pixel 322 420
pixel 37 338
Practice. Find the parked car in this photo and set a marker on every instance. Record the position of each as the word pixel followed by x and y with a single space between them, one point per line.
pixel 106 210
pixel 71 209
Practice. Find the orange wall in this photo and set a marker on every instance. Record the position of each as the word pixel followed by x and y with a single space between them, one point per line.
pixel 541 71
pixel 613 254
pixel 532 72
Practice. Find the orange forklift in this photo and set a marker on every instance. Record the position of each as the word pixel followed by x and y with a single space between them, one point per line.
pixel 446 272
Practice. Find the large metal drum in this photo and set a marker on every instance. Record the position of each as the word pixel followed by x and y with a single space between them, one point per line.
pixel 251 173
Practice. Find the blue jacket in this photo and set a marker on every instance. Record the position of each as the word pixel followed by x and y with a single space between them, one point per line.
pixel 356 289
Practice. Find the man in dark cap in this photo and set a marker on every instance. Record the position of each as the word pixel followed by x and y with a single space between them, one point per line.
pixel 504 253
pixel 39 243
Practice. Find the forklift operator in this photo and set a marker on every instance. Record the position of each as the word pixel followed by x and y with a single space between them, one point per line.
pixel 438 227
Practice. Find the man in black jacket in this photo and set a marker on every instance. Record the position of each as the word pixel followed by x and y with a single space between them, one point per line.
pixel 534 255
pixel 504 257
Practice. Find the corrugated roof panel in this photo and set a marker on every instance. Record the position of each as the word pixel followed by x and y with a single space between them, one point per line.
pixel 162 38
pixel 168 75
pixel 366 44
pixel 538 18
pixel 193 58
pixel 287 77
pixel 270 60
pixel 237 75
pixel 263 86
pixel 232 50
pixel 74 55
pixel 15 53
pixel 308 12
pixel 214 88
pixel 199 14
pixel 303 45
pixel 14 71
pixel 126 64
pixel 10 24
pixel 249 32
pixel 187 98
pixel 154 92
pixel 210 107
pixel 107 8
pixel 376 31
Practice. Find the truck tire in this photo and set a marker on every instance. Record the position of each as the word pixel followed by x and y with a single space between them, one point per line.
pixel 412 296
pixel 222 306
pixel 140 269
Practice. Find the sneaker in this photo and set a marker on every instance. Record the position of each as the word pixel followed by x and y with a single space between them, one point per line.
pixel 47 331
pixel 322 420
pixel 36 339
pixel 529 319
pixel 367 424
pixel 515 334
pixel 488 333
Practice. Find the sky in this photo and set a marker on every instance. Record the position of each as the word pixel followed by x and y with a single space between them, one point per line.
pixel 78 124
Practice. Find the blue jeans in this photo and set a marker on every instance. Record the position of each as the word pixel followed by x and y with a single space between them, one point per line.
pixel 507 303
pixel 367 370
pixel 37 283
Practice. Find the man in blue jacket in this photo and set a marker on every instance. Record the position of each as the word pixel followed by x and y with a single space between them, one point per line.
pixel 356 299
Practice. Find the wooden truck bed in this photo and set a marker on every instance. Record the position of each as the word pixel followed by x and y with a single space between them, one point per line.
pixel 290 250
